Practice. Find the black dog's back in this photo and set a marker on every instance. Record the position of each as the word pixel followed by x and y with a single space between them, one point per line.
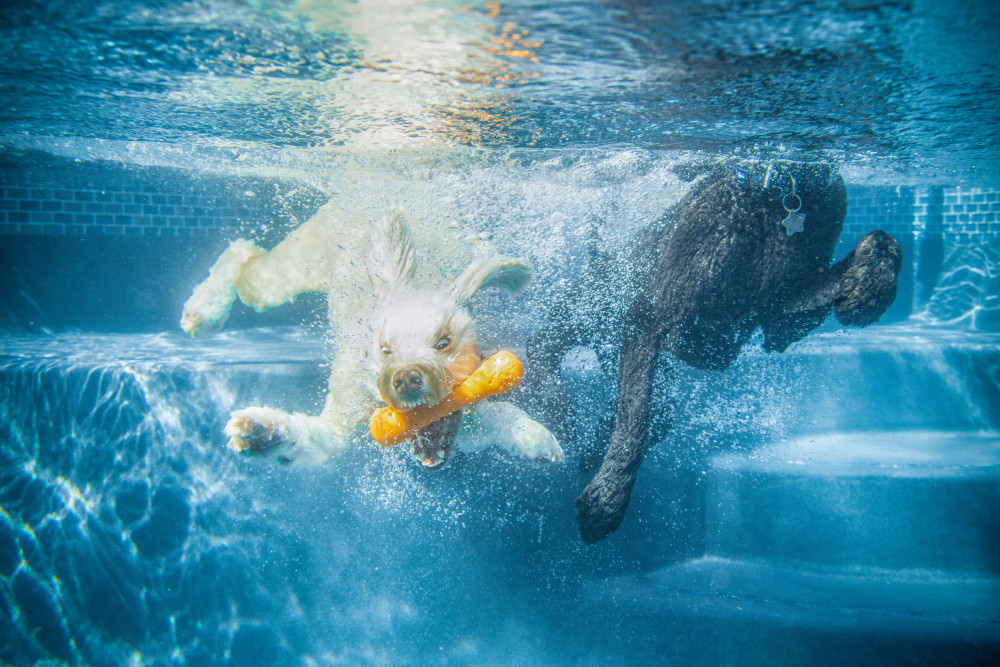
pixel 724 264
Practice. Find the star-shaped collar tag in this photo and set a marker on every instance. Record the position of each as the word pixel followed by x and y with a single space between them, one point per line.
pixel 794 223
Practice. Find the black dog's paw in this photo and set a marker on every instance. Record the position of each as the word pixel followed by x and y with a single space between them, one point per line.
pixel 601 506
pixel 868 285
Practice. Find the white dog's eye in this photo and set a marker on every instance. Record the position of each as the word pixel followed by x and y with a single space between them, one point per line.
pixel 386 350
pixel 443 343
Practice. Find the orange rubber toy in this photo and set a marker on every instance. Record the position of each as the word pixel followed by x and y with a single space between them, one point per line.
pixel 501 372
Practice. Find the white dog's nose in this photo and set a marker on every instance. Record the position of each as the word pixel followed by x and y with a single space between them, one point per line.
pixel 407 382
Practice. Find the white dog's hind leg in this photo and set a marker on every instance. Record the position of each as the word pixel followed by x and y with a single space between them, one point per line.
pixel 498 423
pixel 209 304
pixel 287 437
pixel 310 259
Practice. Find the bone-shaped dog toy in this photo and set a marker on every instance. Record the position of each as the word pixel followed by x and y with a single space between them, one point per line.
pixel 501 372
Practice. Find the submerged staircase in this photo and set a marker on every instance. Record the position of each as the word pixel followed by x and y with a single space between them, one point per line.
pixel 876 547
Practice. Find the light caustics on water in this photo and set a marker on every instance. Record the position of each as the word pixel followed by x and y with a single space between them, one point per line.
pixel 371 74
pixel 407 84
pixel 131 529
pixel 852 83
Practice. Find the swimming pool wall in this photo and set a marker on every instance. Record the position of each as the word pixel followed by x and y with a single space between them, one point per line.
pixel 61 221
pixel 57 214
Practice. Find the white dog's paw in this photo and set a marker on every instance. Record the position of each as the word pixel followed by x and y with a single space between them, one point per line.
pixel 536 443
pixel 298 438
pixel 255 431
pixel 208 306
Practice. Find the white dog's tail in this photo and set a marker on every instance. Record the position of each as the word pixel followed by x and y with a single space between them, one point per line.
pixel 392 259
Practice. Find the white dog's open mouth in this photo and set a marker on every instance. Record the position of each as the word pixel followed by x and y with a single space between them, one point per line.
pixel 431 454
pixel 432 446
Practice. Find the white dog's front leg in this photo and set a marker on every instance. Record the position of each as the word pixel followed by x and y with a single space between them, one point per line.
pixel 498 423
pixel 287 437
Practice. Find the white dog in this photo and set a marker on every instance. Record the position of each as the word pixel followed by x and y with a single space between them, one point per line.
pixel 392 338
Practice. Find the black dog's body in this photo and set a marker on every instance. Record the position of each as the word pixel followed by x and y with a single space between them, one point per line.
pixel 698 285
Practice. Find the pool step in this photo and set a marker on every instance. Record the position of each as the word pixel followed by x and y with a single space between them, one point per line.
pixel 722 611
pixel 869 548
pixel 894 500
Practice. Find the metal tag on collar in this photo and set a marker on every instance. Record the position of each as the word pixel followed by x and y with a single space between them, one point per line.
pixel 795 221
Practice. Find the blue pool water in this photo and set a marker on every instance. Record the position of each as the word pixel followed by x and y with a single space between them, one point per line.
pixel 832 504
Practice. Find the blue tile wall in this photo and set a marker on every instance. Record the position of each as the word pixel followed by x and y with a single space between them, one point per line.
pixel 47 196
pixel 966 213
pixel 878 207
pixel 44 195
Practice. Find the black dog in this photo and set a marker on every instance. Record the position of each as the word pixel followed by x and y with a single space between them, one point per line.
pixel 733 256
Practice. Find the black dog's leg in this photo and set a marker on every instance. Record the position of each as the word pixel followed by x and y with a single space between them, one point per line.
pixel 858 289
pixel 601 505
pixel 867 285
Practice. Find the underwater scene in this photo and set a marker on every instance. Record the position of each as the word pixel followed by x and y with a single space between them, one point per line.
pixel 411 332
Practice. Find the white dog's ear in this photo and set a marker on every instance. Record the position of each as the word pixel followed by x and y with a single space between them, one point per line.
pixel 507 273
pixel 392 258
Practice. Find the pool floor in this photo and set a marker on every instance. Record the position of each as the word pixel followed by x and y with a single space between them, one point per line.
pixel 832 504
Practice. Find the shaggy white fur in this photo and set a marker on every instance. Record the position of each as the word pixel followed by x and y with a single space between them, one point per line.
pixel 397 333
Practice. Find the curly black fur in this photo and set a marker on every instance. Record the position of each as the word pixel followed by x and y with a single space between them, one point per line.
pixel 699 282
